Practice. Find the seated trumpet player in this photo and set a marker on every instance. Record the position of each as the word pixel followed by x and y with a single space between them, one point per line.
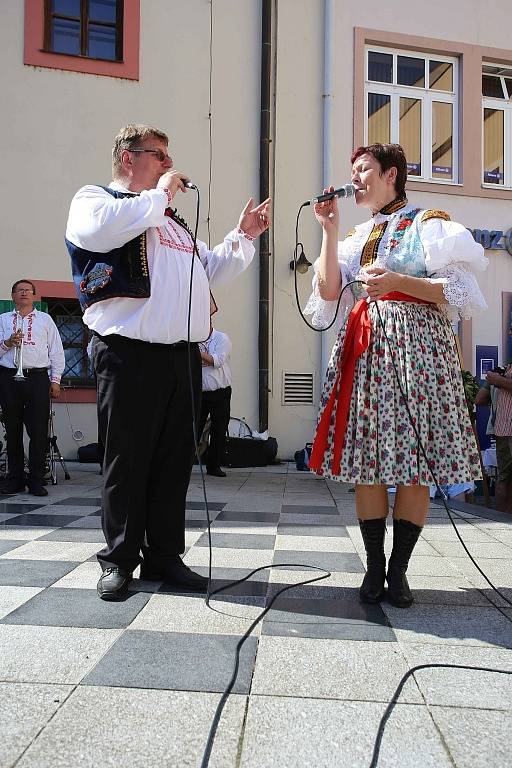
pixel 31 365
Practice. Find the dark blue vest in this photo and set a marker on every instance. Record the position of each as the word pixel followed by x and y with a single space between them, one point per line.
pixel 121 272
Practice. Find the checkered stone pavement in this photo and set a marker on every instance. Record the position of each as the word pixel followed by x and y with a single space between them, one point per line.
pixel 84 682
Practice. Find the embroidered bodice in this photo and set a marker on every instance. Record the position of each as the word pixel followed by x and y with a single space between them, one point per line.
pixel 413 242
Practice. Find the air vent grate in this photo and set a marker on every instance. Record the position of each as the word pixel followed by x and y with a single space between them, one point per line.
pixel 298 388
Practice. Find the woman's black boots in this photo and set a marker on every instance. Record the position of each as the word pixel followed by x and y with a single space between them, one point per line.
pixel 405 536
pixel 372 588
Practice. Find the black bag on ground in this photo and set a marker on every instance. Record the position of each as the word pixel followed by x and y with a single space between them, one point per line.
pixel 89 454
pixel 248 452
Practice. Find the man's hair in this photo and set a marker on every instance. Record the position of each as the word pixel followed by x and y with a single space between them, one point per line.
pixel 388 156
pixel 130 137
pixel 29 282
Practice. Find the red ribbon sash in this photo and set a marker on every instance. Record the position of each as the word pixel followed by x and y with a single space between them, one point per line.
pixel 357 341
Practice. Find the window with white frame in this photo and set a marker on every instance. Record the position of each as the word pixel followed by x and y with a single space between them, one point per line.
pixel 497 124
pixel 412 99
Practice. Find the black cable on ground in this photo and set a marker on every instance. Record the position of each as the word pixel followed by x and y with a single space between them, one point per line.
pixel 394 699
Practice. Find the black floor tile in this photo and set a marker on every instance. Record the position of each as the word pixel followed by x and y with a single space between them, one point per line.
pixel 80 501
pixel 214 505
pixel 36 520
pixel 296 509
pixel 330 561
pixel 328 619
pixel 19 509
pixel 82 523
pixel 309 519
pixel 75 534
pixel 174 661
pixel 260 517
pixel 6 545
pixel 33 573
pixel 237 541
pixel 67 607
pixel 311 529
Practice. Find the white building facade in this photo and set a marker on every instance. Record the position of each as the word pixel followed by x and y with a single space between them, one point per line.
pixel 340 73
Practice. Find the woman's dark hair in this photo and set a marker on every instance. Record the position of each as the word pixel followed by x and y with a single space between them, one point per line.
pixel 388 156
pixel 29 282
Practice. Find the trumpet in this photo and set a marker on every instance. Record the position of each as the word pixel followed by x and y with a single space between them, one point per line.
pixel 18 353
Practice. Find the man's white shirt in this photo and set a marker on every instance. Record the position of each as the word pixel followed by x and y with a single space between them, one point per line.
pixel 99 222
pixel 218 375
pixel 42 345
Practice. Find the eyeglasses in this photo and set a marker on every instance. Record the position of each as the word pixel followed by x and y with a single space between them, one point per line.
pixel 160 156
pixel 23 290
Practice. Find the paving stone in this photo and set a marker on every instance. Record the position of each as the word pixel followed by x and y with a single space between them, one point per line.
pixel 76 534
pixel 51 654
pixel 310 529
pixel 12 597
pixel 19 508
pixel 32 573
pixel 463 687
pixel 25 709
pixel 476 738
pixel 81 501
pixel 330 618
pixel 330 561
pixel 331 669
pixel 314 543
pixel 230 558
pixel 309 509
pixel 38 519
pixel 450 625
pixel 146 728
pixel 52 550
pixel 91 521
pixel 180 613
pixel 299 733
pixel 6 545
pixel 238 541
pixel 77 608
pixel 174 661
pixel 252 517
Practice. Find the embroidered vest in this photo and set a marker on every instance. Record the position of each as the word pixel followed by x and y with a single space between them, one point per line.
pixel 122 272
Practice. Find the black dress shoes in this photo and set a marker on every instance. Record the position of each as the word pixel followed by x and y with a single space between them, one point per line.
pixel 216 472
pixel 113 584
pixel 12 486
pixel 174 572
pixel 37 489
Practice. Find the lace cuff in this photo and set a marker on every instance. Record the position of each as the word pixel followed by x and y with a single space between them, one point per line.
pixel 323 311
pixel 460 289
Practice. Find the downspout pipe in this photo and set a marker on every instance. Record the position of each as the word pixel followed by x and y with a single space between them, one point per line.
pixel 264 241
pixel 328 98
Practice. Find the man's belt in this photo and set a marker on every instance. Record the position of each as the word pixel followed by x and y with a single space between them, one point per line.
pixel 26 371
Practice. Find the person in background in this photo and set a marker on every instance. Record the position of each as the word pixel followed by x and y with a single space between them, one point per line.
pixel 497 392
pixel 216 397
pixel 31 336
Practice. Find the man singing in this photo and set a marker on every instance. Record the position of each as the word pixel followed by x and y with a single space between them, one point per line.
pixel 131 259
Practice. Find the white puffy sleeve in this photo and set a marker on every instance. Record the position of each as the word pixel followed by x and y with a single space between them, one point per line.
pixel 453 258
pixel 323 311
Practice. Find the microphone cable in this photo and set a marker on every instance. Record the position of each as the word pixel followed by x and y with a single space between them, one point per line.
pixel 209 592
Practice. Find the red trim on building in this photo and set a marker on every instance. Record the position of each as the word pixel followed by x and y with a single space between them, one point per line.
pixel 35 56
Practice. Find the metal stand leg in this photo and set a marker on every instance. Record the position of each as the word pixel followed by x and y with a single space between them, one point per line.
pixel 54 454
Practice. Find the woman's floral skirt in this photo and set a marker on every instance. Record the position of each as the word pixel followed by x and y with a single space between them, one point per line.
pixel 380 444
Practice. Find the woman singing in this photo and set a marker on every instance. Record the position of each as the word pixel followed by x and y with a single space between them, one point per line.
pixel 418 272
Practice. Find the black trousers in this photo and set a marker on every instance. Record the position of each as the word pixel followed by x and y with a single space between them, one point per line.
pixel 216 404
pixel 26 403
pixel 145 423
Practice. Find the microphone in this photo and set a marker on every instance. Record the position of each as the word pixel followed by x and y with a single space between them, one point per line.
pixel 347 190
pixel 189 185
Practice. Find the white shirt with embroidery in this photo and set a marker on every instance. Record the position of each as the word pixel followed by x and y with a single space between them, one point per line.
pixel 218 375
pixel 42 345
pixel 99 222
pixel 440 251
